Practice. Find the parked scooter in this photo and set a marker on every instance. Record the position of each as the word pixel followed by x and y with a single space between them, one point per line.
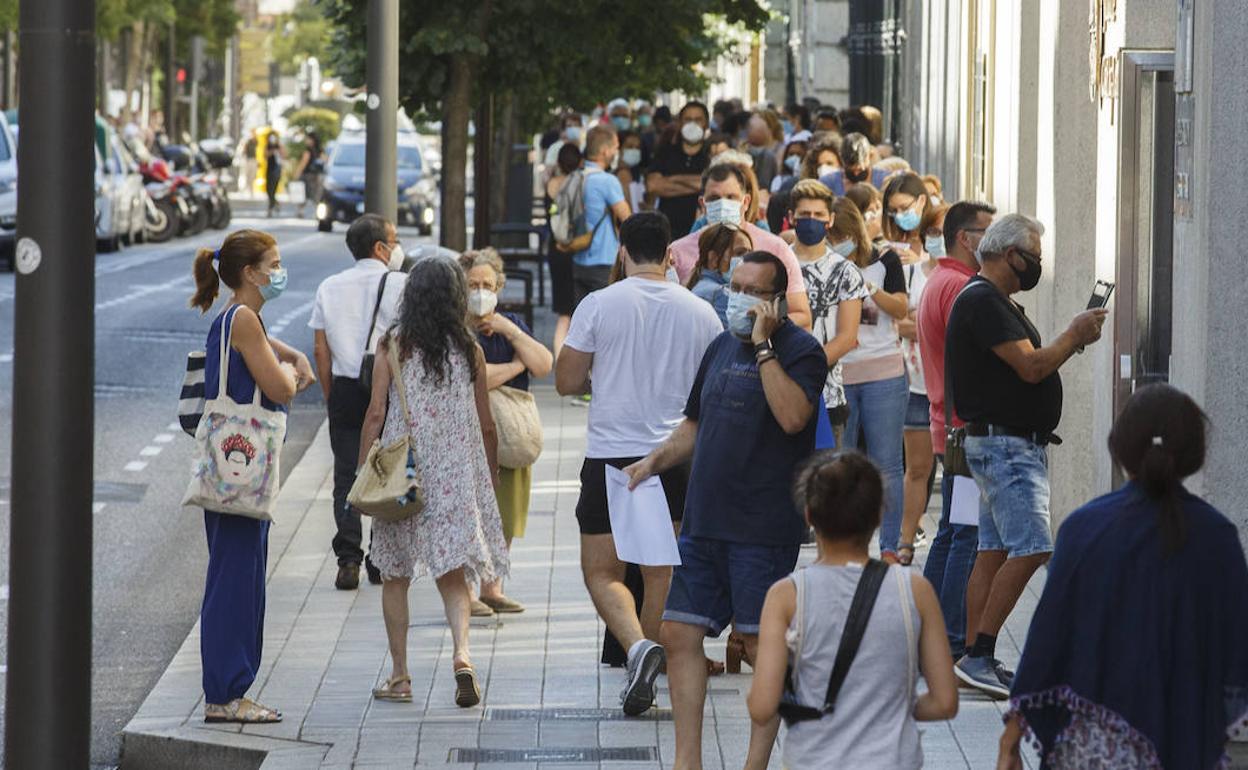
pixel 166 210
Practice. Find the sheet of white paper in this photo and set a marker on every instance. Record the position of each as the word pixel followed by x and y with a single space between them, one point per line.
pixel 964 507
pixel 641 523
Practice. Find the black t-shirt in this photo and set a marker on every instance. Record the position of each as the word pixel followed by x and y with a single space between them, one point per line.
pixel 672 160
pixel 985 388
pixel 894 275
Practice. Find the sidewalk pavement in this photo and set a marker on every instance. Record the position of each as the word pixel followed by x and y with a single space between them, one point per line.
pixel 546 699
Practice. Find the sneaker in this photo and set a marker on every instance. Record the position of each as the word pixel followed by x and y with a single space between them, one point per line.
pixel 981 673
pixel 1004 674
pixel 374 574
pixel 348 577
pixel 643 669
pixel 920 537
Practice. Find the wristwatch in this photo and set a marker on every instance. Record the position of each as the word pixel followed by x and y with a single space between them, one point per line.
pixel 764 346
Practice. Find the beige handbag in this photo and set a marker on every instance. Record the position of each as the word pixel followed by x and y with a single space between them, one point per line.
pixel 519 426
pixel 388 486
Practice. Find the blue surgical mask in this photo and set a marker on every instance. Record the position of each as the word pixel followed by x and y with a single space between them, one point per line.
pixel 630 156
pixel 907 220
pixel 787 125
pixel 276 285
pixel 934 245
pixel 621 122
pixel 740 322
pixel 723 211
pixel 810 230
pixel 572 134
pixel 643 120
pixel 845 248
pixel 792 162
pixel 732 265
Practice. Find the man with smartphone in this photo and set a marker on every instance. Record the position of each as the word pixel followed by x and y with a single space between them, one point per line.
pixel 1006 387
pixel 748 424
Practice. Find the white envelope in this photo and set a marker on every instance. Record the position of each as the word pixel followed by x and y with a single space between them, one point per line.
pixel 964 507
pixel 641 523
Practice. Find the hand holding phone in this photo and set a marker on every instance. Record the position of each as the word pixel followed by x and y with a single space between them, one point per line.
pixel 1101 293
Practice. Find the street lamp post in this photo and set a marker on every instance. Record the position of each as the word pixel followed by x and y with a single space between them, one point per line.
pixel 48 689
pixel 382 77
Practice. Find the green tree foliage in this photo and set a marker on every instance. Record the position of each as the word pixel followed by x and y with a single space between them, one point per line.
pixel 300 35
pixel 326 123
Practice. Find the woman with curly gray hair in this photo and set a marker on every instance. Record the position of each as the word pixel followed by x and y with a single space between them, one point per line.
pixel 458 535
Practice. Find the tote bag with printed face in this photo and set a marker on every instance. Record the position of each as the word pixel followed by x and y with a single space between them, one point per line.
pixel 237 449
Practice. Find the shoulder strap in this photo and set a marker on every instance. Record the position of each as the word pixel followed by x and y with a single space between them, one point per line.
pixel 396 376
pixel 225 335
pixel 855 626
pixel 381 292
pixel 904 595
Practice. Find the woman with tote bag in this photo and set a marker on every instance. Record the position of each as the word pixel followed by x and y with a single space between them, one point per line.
pixel 239 470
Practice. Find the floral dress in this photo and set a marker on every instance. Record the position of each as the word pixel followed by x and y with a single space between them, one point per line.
pixel 460 525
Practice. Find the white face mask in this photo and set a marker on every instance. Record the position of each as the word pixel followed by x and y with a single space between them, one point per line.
pixel 826 168
pixel 481 302
pixel 692 133
pixel 723 211
pixel 396 257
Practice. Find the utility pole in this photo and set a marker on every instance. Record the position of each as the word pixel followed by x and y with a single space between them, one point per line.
pixel 48 721
pixel 197 72
pixel 381 184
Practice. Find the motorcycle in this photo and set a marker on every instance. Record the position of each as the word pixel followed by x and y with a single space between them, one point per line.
pixel 165 211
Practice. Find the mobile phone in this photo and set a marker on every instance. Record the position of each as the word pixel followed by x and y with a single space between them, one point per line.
pixel 782 307
pixel 1101 293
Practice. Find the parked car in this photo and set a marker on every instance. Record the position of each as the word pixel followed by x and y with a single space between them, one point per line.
pixel 8 190
pixel 120 205
pixel 342 199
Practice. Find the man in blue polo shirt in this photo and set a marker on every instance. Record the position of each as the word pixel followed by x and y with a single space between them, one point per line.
pixel 604 207
pixel 747 427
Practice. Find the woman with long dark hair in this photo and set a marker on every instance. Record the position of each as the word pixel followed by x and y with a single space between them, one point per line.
pixel 1137 655
pixel 458 536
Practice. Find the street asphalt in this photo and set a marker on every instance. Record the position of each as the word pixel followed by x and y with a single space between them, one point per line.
pixel 150 554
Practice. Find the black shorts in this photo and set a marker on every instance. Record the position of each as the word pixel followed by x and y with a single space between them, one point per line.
pixel 591 508
pixel 562 293
pixel 588 279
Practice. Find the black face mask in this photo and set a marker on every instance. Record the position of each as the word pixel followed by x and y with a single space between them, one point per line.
pixel 857 176
pixel 1028 277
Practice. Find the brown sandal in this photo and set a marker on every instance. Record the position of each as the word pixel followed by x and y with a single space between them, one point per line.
pixel 736 653
pixel 242 711
pixel 905 554
pixel 467 693
pixel 387 691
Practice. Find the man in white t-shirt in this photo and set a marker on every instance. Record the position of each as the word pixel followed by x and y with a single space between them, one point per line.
pixel 644 339
pixel 351 311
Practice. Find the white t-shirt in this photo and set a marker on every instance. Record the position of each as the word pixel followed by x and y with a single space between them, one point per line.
pixel 877 333
pixel 344 309
pixel 647 338
pixel 916 282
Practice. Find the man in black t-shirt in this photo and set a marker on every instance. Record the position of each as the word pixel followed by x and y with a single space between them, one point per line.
pixel 675 176
pixel 1005 386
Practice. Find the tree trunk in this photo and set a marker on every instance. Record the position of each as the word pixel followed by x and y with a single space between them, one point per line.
pixel 504 137
pixel 131 68
pixel 482 171
pixel 456 108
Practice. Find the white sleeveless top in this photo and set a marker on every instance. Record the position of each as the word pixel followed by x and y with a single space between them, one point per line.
pixel 873 725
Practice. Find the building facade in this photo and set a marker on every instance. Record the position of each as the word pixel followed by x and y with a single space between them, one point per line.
pixel 1116 123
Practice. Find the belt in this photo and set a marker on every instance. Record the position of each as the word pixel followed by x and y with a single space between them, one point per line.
pixel 980 429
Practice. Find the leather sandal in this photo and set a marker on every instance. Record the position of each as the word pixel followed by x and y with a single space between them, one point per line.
pixel 502 604
pixel 467 693
pixel 736 653
pixel 387 691
pixel 242 711
pixel 905 554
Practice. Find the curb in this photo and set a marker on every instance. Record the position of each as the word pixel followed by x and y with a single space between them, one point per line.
pixel 167 731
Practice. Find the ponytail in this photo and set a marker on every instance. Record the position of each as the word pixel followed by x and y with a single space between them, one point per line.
pixel 207 282
pixel 1159 440
pixel 243 248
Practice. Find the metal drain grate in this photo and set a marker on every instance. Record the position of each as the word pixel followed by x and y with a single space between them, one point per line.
pixel 591 754
pixel 573 715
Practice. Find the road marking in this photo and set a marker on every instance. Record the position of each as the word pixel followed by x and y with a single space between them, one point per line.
pixel 151 451
pixel 135 466
pixel 163 438
pixel 144 291
pixel 6 358
pixel 4 592
pixel 97 507
pixel 290 317
pixel 175 426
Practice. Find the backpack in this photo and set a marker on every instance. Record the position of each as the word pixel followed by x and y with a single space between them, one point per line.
pixel 567 214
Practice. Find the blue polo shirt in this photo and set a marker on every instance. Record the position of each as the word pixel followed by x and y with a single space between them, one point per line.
pixel 741 483
pixel 602 191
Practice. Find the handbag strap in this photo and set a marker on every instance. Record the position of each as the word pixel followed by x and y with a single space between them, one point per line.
pixel 855 626
pixel 372 327
pixel 396 375
pixel 226 337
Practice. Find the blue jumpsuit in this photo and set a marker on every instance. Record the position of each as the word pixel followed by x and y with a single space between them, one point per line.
pixel 232 615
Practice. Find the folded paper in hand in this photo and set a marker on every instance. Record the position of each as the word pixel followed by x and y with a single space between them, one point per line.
pixel 641 523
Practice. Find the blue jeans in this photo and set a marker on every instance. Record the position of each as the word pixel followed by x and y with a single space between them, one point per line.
pixel 948 568
pixel 878 410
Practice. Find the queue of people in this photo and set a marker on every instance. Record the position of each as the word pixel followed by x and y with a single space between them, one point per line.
pixel 710 355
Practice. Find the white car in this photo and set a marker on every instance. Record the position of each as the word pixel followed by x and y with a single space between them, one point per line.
pixel 119 195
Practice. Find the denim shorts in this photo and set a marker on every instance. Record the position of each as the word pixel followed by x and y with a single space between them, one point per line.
pixel 918 412
pixel 1013 478
pixel 718 582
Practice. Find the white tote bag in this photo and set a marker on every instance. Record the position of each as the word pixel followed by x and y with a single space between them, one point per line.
pixel 297 192
pixel 237 448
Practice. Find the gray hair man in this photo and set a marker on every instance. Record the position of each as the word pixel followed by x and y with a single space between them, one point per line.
pixel 1006 387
